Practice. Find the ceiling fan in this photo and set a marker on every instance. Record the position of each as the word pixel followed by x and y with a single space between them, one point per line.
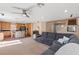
pixel 26 11
pixel 2 14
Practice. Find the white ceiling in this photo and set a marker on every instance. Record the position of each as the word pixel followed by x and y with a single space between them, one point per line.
pixel 51 11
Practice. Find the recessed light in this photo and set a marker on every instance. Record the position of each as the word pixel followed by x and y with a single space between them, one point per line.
pixel 66 11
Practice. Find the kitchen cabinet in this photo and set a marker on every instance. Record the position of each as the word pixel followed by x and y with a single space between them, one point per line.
pixel 29 29
pixel 6 26
pixel 19 34
pixel 18 26
pixel 7 34
pixel 0 25
pixel 72 21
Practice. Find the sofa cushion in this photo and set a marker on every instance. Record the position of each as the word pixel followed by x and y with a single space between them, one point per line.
pixel 44 34
pixel 60 35
pixel 47 38
pixel 51 35
pixel 48 52
pixel 48 42
pixel 74 39
pixel 52 50
pixel 55 45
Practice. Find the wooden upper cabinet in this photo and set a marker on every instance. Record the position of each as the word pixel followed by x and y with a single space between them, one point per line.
pixel 18 25
pixel 6 26
pixel 72 22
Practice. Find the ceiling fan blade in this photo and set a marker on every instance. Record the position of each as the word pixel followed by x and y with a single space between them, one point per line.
pixel 16 13
pixel 18 8
pixel 27 15
pixel 30 7
pixel 33 6
pixel 2 14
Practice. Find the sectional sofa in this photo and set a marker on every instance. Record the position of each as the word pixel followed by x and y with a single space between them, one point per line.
pixel 51 39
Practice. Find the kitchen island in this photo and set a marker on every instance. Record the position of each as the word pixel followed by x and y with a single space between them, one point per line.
pixel 8 34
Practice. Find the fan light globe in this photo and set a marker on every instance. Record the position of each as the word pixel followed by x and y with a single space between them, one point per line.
pixel 66 11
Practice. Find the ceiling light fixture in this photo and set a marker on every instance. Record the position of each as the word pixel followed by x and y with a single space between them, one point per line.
pixel 40 4
pixel 66 11
pixel 2 14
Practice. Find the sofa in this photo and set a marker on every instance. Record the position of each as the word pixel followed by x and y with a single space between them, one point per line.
pixel 48 37
pixel 51 39
pixel 56 45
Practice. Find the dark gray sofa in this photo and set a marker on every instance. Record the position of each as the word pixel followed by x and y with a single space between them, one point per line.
pixel 48 37
pixel 52 49
pixel 56 45
pixel 51 40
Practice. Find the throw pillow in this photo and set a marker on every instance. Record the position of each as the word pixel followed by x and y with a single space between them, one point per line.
pixel 66 39
pixel 63 40
pixel 60 40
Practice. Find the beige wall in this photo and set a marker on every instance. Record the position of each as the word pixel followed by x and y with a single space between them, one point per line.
pixel 40 26
pixel 50 27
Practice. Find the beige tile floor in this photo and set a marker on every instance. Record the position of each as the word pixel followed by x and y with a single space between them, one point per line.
pixel 28 47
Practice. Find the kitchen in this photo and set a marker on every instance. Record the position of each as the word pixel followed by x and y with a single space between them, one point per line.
pixel 10 31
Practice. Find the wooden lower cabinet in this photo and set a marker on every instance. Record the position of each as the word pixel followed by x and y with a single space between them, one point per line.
pixel 7 34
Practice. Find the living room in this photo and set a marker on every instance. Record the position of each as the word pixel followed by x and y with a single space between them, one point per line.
pixel 45 32
pixel 39 29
